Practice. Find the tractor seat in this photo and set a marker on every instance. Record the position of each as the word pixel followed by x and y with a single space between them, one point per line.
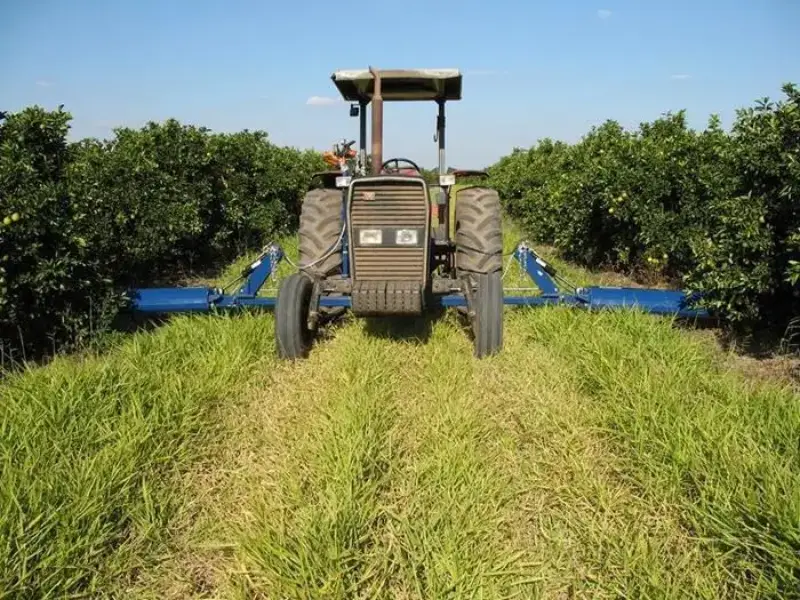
pixel 411 172
pixel 409 169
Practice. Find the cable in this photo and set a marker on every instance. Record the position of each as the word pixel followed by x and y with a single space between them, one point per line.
pixel 567 284
pixel 232 282
pixel 268 248
pixel 325 255
pixel 551 270
pixel 508 267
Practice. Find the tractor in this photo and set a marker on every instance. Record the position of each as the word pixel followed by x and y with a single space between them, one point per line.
pixel 372 241
pixel 372 235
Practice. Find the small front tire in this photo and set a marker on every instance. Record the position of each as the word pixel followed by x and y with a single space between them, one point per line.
pixel 292 335
pixel 487 324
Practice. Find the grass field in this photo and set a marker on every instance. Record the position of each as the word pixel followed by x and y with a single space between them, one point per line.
pixel 600 455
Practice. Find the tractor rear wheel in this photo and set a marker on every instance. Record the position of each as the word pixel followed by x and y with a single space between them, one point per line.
pixel 321 224
pixel 320 227
pixel 293 337
pixel 479 262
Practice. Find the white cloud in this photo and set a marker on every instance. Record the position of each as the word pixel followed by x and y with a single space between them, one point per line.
pixel 44 83
pixel 680 76
pixel 322 101
pixel 603 13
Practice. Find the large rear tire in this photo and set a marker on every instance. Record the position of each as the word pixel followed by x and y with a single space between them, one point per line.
pixel 293 338
pixel 320 228
pixel 321 224
pixel 479 261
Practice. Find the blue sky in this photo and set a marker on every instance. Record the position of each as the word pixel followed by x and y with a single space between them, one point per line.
pixel 532 69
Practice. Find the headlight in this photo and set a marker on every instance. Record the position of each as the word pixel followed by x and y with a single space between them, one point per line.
pixel 406 237
pixel 370 236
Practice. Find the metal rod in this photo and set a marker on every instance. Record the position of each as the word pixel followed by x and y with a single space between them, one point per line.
pixel 440 128
pixel 444 200
pixel 377 123
pixel 362 135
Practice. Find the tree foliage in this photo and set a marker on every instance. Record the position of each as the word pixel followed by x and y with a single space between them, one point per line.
pixel 718 210
pixel 84 220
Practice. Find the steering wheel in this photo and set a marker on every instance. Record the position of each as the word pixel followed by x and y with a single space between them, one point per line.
pixel 396 169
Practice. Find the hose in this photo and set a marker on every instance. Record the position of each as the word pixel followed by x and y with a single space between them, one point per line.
pixel 325 255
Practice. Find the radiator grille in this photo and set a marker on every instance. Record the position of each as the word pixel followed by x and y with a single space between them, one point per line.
pixel 395 203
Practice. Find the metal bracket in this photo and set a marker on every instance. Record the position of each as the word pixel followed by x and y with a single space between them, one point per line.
pixel 537 269
pixel 313 305
pixel 257 273
pixel 466 285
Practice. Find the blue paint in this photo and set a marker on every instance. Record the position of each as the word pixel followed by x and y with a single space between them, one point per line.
pixel 536 267
pixel 260 270
pixel 164 300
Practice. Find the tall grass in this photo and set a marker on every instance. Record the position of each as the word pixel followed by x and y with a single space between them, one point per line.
pixel 91 447
pixel 602 455
pixel 695 435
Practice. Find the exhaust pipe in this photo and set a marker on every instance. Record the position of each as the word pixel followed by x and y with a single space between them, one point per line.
pixel 377 123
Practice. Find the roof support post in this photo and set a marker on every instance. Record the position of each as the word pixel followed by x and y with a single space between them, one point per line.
pixel 377 123
pixel 362 136
pixel 444 201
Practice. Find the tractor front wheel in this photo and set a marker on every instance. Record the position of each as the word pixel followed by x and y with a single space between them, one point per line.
pixel 487 324
pixel 292 334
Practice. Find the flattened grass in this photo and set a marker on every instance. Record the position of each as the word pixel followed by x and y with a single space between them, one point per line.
pixel 316 528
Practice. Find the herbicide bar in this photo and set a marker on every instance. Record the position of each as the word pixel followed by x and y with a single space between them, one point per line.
pixel 200 299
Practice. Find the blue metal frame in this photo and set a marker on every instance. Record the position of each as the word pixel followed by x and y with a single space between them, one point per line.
pixel 260 270
pixel 200 299
pixel 537 269
pixel 665 302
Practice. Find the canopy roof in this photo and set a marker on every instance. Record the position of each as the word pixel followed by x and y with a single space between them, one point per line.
pixel 400 84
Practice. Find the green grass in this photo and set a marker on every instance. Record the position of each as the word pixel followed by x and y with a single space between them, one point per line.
pixel 600 455
pixel 723 451
pixel 92 447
